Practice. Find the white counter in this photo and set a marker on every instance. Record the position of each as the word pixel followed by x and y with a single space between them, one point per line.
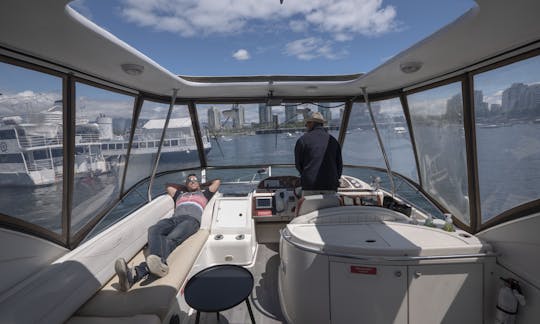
pixel 385 239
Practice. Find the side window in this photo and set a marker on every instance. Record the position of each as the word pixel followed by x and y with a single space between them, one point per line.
pixel 507 115
pixel 396 137
pixel 179 149
pixel 31 170
pixel 103 119
pixel 148 130
pixel 437 118
pixel 360 147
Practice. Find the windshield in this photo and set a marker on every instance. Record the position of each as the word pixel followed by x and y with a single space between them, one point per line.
pixel 259 134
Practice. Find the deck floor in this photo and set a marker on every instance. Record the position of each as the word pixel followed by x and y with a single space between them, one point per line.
pixel 264 299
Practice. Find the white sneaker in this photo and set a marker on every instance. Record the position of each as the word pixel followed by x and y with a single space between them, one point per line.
pixel 155 265
pixel 125 274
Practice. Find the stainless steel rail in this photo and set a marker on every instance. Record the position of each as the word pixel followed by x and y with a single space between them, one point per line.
pixel 156 161
pixel 388 170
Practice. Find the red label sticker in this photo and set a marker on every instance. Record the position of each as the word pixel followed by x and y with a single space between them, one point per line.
pixel 263 212
pixel 364 270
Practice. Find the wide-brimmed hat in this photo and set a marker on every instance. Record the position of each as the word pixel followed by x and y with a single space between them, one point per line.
pixel 316 117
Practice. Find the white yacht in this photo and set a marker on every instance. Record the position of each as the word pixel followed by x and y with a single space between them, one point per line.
pixel 438 224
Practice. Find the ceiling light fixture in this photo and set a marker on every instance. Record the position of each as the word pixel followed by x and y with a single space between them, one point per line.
pixel 410 67
pixel 132 69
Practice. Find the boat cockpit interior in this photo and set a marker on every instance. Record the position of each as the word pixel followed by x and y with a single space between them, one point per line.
pixel 435 220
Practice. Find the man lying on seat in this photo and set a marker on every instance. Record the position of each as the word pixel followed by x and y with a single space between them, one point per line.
pixel 163 237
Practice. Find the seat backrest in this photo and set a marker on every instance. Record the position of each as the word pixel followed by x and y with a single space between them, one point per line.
pixel 308 204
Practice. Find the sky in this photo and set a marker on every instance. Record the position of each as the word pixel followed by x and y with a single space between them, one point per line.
pixel 259 37
pixel 264 37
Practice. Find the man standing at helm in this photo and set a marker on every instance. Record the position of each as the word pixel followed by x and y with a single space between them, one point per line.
pixel 317 157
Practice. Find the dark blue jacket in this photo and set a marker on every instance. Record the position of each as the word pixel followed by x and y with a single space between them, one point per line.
pixel 317 157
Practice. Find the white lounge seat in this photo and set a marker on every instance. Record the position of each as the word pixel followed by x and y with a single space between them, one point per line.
pixel 147 297
pixel 137 319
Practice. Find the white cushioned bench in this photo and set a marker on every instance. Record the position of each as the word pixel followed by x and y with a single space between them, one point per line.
pixel 55 293
pixel 137 319
pixel 147 296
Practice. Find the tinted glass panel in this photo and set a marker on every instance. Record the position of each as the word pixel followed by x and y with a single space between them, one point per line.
pixel 437 118
pixel 257 133
pixel 361 146
pixel 149 129
pixel 179 149
pixel 31 120
pixel 102 117
pixel 133 200
pixel 396 137
pixel 507 111
pixel 404 189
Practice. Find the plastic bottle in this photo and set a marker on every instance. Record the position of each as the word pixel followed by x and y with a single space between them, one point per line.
pixel 448 224
pixel 429 221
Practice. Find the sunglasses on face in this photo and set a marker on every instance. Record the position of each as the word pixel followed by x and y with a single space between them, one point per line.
pixel 192 181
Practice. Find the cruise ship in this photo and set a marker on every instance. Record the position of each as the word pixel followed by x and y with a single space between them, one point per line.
pixel 31 154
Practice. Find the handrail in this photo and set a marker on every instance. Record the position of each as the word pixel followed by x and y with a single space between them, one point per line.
pixel 156 161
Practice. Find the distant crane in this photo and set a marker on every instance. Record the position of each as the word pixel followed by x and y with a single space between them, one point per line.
pixel 232 114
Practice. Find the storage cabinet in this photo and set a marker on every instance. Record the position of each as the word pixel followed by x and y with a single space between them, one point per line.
pixel 445 293
pixel 381 272
pixel 420 294
pixel 357 291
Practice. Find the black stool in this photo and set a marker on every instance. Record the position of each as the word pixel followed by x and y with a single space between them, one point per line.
pixel 219 288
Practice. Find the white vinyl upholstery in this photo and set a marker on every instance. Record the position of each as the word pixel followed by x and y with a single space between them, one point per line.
pixel 57 291
pixel 349 214
pixel 315 202
pixel 149 296
pixel 137 319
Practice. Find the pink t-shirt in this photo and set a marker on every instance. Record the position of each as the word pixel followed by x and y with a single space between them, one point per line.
pixel 196 197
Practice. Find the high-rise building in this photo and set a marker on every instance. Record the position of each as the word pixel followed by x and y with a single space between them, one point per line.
pixel 514 98
pixel 239 114
pixel 454 107
pixel 214 117
pixel 265 114
pixel 236 116
pixel 480 106
pixel 291 115
pixel 533 102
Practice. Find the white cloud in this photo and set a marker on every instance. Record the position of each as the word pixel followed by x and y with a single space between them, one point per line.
pixel 311 48
pixel 342 18
pixel 298 25
pixel 241 55
pixel 340 37
pixel 27 101
pixel 494 98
